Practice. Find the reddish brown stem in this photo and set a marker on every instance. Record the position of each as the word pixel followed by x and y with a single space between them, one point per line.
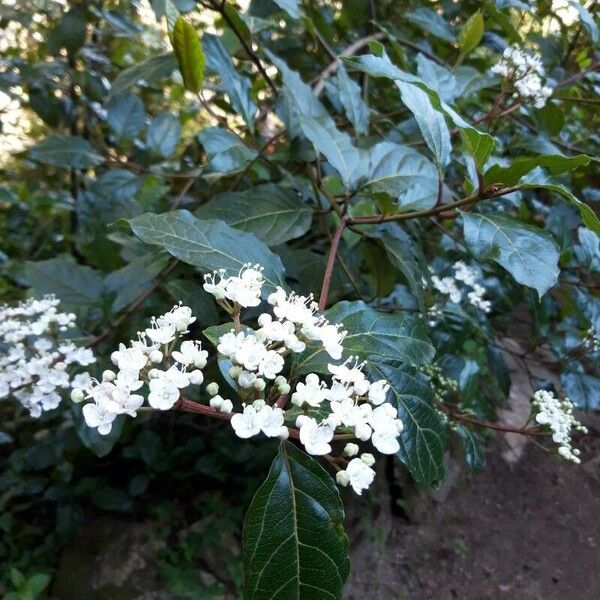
pixel 335 242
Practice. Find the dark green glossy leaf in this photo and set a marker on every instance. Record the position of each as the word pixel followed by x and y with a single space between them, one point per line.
pixel 423 438
pixel 126 116
pixel 208 245
pixel 294 544
pixel 350 97
pixel 65 151
pixel 529 254
pixel 373 336
pixel 272 213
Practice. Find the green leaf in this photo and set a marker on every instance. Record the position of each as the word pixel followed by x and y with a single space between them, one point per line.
pixel 423 436
pixel 126 116
pixel 163 135
pixel 582 389
pixel 37 583
pixel 588 249
pixel 294 544
pixel 189 54
pixel 147 71
pixel 272 213
pixel 556 164
pixel 226 150
pixel 588 216
pixel 431 123
pixel 471 33
pixel 529 254
pixel 372 336
pixel 119 184
pixel 350 97
pixel 68 33
pixel 65 151
pixel 209 245
pixel 406 256
pixel 402 173
pixel 17 578
pixel 472 445
pixel 291 7
pixel 237 87
pixel 336 146
pixel 429 20
pixel 586 19
pixel 480 147
pixel 76 286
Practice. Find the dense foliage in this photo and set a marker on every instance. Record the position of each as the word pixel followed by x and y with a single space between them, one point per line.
pixel 429 170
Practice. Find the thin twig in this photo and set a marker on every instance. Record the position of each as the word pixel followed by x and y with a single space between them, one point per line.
pixel 335 242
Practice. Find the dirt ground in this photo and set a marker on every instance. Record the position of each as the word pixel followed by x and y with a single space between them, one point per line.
pixel 525 531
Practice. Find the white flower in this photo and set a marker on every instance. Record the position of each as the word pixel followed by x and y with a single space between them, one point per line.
pixel 243 289
pixel 246 379
pixel 176 376
pixel 310 392
pixel 386 429
pixel 359 475
pixel 351 375
pixel 191 353
pixel 315 437
pixel 270 365
pixel 230 342
pixel 338 391
pixel 246 424
pixel 163 393
pixel 97 417
pixel 161 331
pixel 270 420
pixel 378 392
pixel 129 359
pixel 180 316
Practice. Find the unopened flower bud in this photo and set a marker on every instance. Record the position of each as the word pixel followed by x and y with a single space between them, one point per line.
pixel 342 478
pixel 279 380
pixel 368 459
pixel 284 388
pixel 234 371
pixel 153 373
pixel 259 385
pixel 216 402
pixel 196 377
pixel 284 433
pixel 212 389
pixel 114 357
pixel 156 356
pixel 109 375
pixel 258 404
pixel 77 395
pixel 226 406
pixel 351 450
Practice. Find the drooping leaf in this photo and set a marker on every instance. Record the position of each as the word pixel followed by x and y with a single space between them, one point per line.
pixel 354 106
pixel 126 115
pixel 65 151
pixel 422 439
pixel 372 335
pixel 556 164
pixel 588 216
pixel 582 389
pixel 530 255
pixel 272 213
pixel 163 135
pixel 189 54
pixel 234 85
pixel 471 33
pixel 209 245
pixel 294 544
pixel 227 152
pixel 76 286
pixel 147 71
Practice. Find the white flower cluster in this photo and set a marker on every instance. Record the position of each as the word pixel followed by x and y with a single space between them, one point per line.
pixel 591 341
pixel 358 474
pixel 557 415
pixel 138 364
pixel 526 72
pixel 459 288
pixel 35 355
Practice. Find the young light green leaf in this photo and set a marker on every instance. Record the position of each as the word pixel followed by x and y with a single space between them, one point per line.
pixel 209 245
pixel 189 54
pixel 422 439
pixel 471 33
pixel 480 147
pixel 294 544
pixel 372 336
pixel 273 213
pixel 65 151
pixel 529 254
